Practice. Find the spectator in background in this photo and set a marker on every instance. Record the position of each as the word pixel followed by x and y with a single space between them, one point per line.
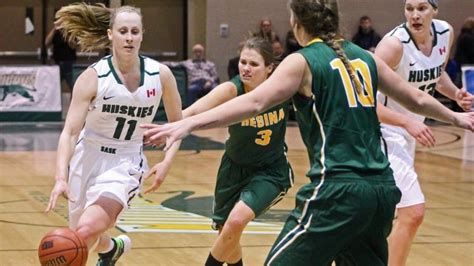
pixel 464 54
pixel 278 51
pixel 266 31
pixel 233 65
pixel 366 37
pixel 202 74
pixel 64 55
pixel 291 43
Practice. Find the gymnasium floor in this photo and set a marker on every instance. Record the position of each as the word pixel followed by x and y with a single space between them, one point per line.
pixel 171 226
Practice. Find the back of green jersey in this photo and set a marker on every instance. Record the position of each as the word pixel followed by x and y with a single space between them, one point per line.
pixel 339 125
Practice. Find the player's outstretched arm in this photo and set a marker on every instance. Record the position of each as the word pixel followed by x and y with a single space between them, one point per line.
pixel 172 103
pixel 280 86
pixel 83 93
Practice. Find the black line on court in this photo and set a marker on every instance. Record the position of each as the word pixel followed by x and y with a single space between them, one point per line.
pixel 18 250
pixel 249 246
pixel 453 148
pixel 450 208
pixel 442 243
pixel 198 247
pixel 12 201
pixel 457 137
pixel 10 212
pixel 30 224
pixel 189 154
pixel 269 245
pixel 145 248
pixel 445 182
pixel 120 229
pixel 51 185
pixel 434 150
pixel 244 246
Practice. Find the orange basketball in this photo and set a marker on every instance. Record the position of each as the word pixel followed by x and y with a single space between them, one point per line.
pixel 62 247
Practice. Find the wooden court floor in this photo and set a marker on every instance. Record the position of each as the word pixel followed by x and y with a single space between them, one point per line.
pixel 171 226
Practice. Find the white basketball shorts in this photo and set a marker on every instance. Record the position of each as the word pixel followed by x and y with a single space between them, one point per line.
pixel 401 153
pixel 95 171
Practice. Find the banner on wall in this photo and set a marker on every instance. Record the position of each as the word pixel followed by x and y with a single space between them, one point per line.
pixel 32 89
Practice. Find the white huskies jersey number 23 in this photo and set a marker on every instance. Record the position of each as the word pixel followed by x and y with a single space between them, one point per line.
pixel 421 71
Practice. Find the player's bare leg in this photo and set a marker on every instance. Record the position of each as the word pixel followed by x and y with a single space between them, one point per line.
pixel 404 230
pixel 223 249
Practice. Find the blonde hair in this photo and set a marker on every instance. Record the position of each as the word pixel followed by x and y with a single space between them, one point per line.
pixel 86 25
pixel 320 18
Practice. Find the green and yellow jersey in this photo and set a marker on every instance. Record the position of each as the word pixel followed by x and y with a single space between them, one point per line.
pixel 259 140
pixel 339 125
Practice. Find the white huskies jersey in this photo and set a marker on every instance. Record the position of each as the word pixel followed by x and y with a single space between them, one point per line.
pixel 116 113
pixel 419 70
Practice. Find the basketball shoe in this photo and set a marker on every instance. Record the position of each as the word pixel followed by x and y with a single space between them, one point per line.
pixel 122 244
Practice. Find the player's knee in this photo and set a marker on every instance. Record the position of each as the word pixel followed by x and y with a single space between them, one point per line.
pixel 415 217
pixel 87 232
pixel 236 223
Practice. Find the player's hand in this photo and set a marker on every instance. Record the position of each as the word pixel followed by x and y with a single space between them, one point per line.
pixel 61 188
pixel 421 132
pixel 464 99
pixel 156 142
pixel 159 171
pixel 465 120
pixel 166 134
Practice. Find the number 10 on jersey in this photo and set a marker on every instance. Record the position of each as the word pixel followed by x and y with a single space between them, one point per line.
pixel 365 97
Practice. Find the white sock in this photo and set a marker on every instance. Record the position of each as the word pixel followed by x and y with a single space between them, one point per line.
pixel 109 247
pixel 127 242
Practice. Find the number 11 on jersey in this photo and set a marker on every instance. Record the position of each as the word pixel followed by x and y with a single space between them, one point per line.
pixel 132 124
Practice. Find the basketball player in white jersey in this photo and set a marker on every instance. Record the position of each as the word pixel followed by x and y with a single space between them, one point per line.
pixel 418 51
pixel 100 160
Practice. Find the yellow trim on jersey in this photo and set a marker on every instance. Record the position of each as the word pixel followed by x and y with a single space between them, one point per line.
pixel 317 39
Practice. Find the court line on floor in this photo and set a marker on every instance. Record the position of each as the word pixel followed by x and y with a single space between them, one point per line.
pixel 244 246
pixel 12 201
pixel 31 224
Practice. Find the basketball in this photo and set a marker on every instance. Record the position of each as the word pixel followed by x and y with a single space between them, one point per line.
pixel 62 247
